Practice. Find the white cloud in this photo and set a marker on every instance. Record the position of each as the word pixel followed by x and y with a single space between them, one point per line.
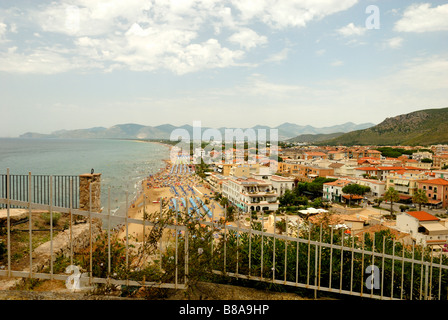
pixel 279 56
pixel 394 43
pixel 37 62
pixel 3 28
pixel 337 63
pixel 159 34
pixel 423 74
pixel 154 48
pixel 247 38
pixel 422 18
pixel 351 30
pixel 88 18
pixel 291 13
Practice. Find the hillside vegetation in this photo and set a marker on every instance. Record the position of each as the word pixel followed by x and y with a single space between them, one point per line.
pixel 424 127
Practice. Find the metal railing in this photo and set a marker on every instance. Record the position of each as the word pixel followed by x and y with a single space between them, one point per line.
pixel 6 264
pixel 388 270
pixel 316 258
pixel 39 187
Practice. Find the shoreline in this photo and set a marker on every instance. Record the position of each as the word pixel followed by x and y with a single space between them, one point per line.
pixel 157 188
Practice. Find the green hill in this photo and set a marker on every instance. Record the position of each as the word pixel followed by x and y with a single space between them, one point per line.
pixel 313 138
pixel 424 127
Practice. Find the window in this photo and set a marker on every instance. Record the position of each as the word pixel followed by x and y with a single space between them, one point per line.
pixel 430 187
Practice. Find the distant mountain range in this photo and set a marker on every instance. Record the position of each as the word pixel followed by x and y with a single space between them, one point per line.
pixel 137 131
pixel 423 127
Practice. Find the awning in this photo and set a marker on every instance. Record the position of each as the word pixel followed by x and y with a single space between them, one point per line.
pixel 312 211
pixel 434 227
pixel 353 197
pixel 240 206
pixel 309 211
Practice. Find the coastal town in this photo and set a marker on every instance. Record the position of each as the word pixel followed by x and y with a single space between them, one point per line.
pixel 402 189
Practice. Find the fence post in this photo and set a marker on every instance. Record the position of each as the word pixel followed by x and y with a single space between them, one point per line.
pixel 412 271
pixel 51 228
pixel 71 222
pixel 426 282
pixel 286 244
pixel 225 239
pixel 90 231
pixel 30 225
pixel 8 219
pixel 262 242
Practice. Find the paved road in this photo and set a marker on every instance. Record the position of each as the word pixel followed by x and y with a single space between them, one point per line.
pixel 386 206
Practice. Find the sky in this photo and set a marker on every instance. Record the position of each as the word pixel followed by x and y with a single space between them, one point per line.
pixel 75 64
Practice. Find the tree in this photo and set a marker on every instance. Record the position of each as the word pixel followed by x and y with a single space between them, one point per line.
pixel 420 198
pixel 230 214
pixel 378 201
pixel 287 199
pixel 355 189
pixel 392 196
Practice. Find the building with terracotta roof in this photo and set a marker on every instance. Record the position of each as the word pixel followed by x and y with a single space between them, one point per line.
pixel 216 180
pixel 443 174
pixel 312 155
pixel 332 191
pixel 303 170
pixel 368 161
pixel 405 182
pixel 424 228
pixel 358 153
pixel 337 155
pixel 436 190
pixel 439 161
pixel 281 184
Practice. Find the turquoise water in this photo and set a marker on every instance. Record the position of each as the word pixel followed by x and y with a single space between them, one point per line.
pixel 122 163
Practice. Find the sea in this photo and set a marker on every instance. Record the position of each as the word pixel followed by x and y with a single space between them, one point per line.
pixel 123 164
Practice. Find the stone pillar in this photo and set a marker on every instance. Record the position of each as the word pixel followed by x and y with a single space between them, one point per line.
pixel 85 180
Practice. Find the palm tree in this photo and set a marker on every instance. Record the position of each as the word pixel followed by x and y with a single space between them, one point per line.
pixel 392 196
pixel 420 198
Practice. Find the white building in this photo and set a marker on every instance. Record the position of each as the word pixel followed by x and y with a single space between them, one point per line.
pixel 441 174
pixel 424 228
pixel 377 188
pixel 281 184
pixel 332 191
pixel 250 194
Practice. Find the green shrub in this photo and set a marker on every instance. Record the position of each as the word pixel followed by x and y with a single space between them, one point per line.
pixel 46 217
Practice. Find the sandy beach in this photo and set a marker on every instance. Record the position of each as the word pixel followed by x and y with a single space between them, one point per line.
pixel 159 187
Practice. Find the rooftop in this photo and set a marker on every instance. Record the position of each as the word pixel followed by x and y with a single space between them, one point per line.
pixel 438 181
pixel 337 183
pixel 422 216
